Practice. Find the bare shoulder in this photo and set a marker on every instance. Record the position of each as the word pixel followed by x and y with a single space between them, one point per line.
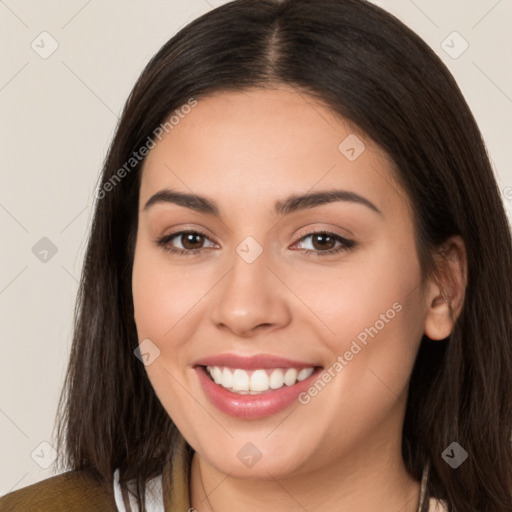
pixel 70 491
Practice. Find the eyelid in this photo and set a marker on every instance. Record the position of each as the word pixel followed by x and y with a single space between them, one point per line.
pixel 302 234
pixel 165 240
pixel 346 243
pixel 179 229
pixel 328 229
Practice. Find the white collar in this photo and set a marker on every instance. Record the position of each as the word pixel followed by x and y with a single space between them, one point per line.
pixel 154 495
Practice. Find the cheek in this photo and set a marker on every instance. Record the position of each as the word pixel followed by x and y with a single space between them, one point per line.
pixel 163 299
pixel 369 295
pixel 391 293
pixel 377 324
pixel 373 309
pixel 163 294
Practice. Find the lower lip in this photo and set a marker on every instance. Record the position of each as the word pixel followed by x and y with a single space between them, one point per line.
pixel 252 406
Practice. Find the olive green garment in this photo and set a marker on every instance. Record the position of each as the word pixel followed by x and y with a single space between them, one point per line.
pixel 75 491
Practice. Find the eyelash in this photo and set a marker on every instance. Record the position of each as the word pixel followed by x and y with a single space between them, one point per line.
pixel 346 243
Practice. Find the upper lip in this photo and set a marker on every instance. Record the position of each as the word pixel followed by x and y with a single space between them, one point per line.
pixel 253 362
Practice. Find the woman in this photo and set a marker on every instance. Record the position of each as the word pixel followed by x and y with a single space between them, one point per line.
pixel 296 293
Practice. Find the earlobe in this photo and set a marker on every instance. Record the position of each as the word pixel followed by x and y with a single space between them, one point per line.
pixel 445 297
pixel 439 319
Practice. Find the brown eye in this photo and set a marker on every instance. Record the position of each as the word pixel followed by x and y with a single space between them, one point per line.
pixel 191 240
pixel 324 243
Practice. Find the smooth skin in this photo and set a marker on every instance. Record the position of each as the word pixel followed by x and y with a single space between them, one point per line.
pixel 245 151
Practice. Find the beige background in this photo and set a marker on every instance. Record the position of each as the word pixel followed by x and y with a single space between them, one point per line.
pixel 57 118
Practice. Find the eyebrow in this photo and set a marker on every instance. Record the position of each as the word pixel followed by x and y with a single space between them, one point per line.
pixel 286 206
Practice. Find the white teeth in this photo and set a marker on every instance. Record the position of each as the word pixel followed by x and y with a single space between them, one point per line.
pixel 304 373
pixel 217 374
pixel 257 381
pixel 290 377
pixel 276 379
pixel 240 380
pixel 227 379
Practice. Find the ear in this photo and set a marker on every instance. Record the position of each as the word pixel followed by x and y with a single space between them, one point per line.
pixel 446 291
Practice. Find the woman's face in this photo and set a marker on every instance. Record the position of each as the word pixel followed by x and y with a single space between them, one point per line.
pixel 262 286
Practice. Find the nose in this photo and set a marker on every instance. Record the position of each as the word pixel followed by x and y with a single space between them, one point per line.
pixel 251 298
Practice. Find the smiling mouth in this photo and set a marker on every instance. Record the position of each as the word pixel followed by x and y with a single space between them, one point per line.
pixel 257 381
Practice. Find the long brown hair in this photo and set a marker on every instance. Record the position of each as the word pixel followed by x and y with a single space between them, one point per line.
pixel 375 72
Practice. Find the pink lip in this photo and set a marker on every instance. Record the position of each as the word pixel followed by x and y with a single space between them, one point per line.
pixel 252 362
pixel 252 406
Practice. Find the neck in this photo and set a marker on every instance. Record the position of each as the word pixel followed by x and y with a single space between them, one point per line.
pixel 370 478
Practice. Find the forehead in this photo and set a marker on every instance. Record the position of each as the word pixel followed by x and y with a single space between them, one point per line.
pixel 266 143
